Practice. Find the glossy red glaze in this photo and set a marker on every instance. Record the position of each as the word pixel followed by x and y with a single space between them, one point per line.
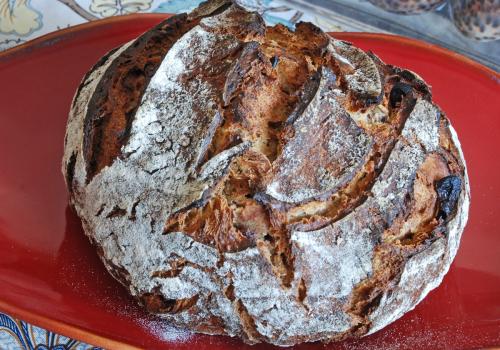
pixel 50 275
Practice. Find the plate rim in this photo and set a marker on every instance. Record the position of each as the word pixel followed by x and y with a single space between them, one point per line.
pixel 47 40
pixel 64 328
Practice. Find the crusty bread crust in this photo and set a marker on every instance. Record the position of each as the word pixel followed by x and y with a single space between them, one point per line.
pixel 252 181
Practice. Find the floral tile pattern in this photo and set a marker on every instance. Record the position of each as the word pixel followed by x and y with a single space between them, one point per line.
pixel 22 20
pixel 447 25
pixel 19 335
pixel 19 18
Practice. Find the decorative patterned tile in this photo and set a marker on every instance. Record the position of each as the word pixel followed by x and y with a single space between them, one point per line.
pixel 19 335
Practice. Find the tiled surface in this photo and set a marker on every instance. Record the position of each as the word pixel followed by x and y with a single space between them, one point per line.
pixel 16 335
pixel 453 23
pixel 22 20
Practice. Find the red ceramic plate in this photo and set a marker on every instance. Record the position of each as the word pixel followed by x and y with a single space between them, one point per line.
pixel 51 276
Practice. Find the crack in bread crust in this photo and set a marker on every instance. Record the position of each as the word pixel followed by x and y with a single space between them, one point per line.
pixel 109 116
pixel 257 98
pixel 415 229
pixel 384 131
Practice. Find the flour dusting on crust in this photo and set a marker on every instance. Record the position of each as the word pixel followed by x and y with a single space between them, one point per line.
pixel 186 147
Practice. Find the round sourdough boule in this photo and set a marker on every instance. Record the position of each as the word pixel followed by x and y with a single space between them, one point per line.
pixel 252 181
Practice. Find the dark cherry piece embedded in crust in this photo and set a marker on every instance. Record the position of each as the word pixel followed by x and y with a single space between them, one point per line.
pixel 448 190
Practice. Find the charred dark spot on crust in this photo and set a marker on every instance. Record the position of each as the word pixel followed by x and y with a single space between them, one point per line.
pixel 398 91
pixel 423 89
pixel 115 212
pixel 98 65
pixel 448 190
pixel 407 75
pixel 250 52
pixel 154 171
pixel 268 238
pixel 305 95
pixel 229 292
pixel 220 260
pixel 302 291
pixel 152 224
pixel 370 101
pixel 157 303
pixel 404 109
pixel 133 211
pixel 70 170
pixel 275 125
pixel 274 61
pixel 101 209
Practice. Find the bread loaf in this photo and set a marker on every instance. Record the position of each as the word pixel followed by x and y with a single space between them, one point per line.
pixel 280 186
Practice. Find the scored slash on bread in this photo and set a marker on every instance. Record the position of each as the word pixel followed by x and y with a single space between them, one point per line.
pixel 280 186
